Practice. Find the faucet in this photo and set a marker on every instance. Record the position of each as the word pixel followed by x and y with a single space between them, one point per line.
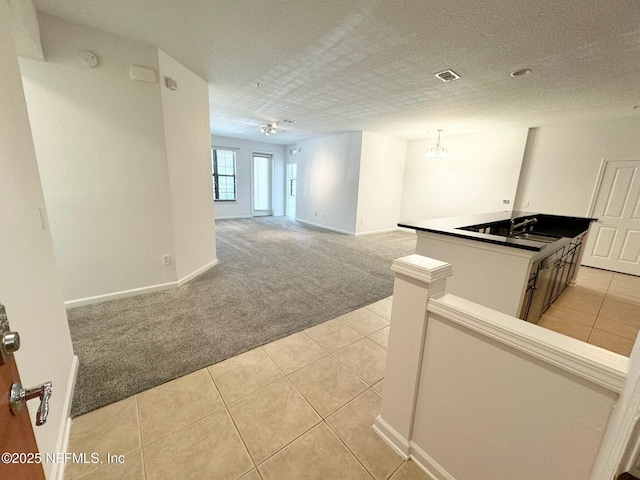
pixel 514 226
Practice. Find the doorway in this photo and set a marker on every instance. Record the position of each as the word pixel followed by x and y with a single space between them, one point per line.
pixel 291 189
pixel 614 240
pixel 261 185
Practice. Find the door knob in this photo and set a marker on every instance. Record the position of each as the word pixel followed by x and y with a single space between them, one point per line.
pixel 10 343
pixel 19 396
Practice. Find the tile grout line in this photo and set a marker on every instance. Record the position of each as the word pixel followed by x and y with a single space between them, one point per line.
pixel 298 390
pixel 233 422
pixel 322 419
pixel 287 444
pixel 144 465
pixel 348 368
pixel 304 366
pixel 345 366
pixel 397 469
pixel 229 404
pixel 244 445
pixel 104 466
pixel 291 442
pixel 185 425
pixel 605 292
pixel 614 334
pixel 309 402
pixel 346 446
pixel 315 362
pixel 593 327
pixel 344 324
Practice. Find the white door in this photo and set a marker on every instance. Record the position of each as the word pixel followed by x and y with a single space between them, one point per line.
pixel 261 185
pixel 29 284
pixel 614 240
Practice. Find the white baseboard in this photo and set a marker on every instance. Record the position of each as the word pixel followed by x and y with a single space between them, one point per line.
pixel 373 232
pixel 200 271
pixel 325 227
pixel 428 465
pixel 57 471
pixel 392 437
pixel 138 291
pixel 407 449
pixel 124 293
pixel 234 216
pixel 408 230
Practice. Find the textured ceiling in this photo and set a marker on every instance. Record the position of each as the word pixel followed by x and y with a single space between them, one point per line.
pixel 368 65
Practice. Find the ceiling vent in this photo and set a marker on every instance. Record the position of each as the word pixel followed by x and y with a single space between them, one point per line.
pixel 447 75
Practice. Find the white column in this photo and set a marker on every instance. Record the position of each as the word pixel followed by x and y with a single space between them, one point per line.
pixel 417 279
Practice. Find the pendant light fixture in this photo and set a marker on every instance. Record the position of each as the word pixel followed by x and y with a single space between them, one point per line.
pixel 269 129
pixel 437 151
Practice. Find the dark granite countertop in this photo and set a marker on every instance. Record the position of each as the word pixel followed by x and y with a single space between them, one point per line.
pixel 467 226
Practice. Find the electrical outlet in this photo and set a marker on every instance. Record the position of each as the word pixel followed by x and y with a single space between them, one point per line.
pixel 166 260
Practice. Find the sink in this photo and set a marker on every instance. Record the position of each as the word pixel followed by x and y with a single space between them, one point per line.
pixel 536 237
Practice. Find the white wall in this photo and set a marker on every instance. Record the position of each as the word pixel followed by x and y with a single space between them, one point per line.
pixel 328 178
pixel 246 148
pixel 482 170
pixel 26 31
pixel 187 137
pixel 100 144
pixel 562 163
pixel 382 164
pixel 29 285
pixel 512 415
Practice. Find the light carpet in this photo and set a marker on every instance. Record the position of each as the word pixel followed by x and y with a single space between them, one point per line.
pixel 276 277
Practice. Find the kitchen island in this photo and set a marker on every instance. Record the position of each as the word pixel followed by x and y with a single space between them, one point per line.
pixel 514 262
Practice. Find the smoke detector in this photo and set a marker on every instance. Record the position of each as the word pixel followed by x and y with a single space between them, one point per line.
pixel 447 75
pixel 87 58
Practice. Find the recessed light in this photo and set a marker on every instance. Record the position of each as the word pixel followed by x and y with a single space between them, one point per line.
pixel 521 73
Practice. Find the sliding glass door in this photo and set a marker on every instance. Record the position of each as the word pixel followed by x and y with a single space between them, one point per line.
pixel 261 185
pixel 291 190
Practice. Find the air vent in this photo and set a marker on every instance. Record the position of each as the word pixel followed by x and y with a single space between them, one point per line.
pixel 447 75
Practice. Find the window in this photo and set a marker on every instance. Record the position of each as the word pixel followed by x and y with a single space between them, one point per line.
pixel 223 165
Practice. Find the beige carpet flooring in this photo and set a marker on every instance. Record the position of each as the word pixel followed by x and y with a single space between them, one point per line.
pixel 275 277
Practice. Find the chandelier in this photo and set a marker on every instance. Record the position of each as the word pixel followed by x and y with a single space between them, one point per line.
pixel 437 151
pixel 269 129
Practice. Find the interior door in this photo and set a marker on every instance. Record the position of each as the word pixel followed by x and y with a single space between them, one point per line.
pixel 29 282
pixel 614 240
pixel 16 433
pixel 261 185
